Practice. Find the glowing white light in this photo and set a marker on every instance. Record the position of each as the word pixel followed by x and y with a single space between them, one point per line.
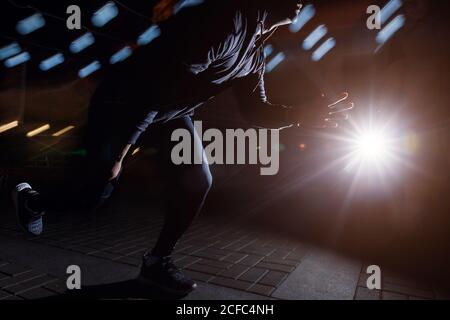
pixel 372 146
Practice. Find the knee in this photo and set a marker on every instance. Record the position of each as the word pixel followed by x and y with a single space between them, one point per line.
pixel 197 180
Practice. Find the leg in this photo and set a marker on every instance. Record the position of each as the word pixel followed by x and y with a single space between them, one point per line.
pixel 92 184
pixel 189 186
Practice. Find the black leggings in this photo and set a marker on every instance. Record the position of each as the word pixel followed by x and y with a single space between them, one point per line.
pixel 188 184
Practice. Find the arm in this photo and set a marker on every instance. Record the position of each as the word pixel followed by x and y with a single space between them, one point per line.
pixel 319 113
pixel 255 106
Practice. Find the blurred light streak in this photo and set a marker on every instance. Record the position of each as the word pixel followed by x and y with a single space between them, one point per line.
pixel 30 24
pixel 136 151
pixel 268 50
pixel 63 131
pixel 396 24
pixel 120 55
pixel 149 35
pixel 105 14
pixel 186 4
pixel 314 37
pixel 37 131
pixel 82 43
pixel 51 62
pixel 16 60
pixel 272 64
pixel 389 9
pixel 323 49
pixel 8 126
pixel 306 14
pixel 9 50
pixel 90 68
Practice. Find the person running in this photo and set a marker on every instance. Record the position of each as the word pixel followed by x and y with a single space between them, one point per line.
pixel 201 51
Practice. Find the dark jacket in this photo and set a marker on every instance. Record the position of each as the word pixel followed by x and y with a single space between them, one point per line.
pixel 201 51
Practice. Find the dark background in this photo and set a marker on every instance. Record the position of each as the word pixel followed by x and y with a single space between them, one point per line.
pixel 400 218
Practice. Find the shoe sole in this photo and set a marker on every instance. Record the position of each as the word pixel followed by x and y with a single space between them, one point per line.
pixel 163 288
pixel 15 198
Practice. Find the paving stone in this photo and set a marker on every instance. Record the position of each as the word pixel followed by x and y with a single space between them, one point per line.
pixel 362 281
pixel 187 261
pixel 11 298
pixel 199 276
pixel 261 289
pixel 389 277
pixel 273 278
pixel 20 278
pixel 231 283
pixel 322 275
pixel 59 286
pixel 13 269
pixel 285 262
pixel 278 254
pixel 37 293
pixel 204 268
pixel 237 246
pixel 408 291
pixel 4 294
pixel 215 263
pixel 263 251
pixel 99 246
pixel 253 275
pixel 297 255
pixel 223 243
pixel 234 272
pixel 125 251
pixel 137 254
pixel 235 257
pixel 275 266
pixel 30 284
pixel 211 253
pixel 363 293
pixel 130 260
pixel 417 298
pixel 177 257
pixel 106 255
pixel 386 295
pixel 251 260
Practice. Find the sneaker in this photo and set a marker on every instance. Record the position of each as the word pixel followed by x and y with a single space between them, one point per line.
pixel 163 274
pixel 29 219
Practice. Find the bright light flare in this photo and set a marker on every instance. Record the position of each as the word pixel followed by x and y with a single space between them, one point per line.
pixel 372 146
pixel 371 149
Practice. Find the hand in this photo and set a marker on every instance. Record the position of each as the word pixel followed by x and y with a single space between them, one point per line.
pixel 115 171
pixel 117 167
pixel 324 113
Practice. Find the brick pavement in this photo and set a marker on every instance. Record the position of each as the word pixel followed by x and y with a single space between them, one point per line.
pixel 217 253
